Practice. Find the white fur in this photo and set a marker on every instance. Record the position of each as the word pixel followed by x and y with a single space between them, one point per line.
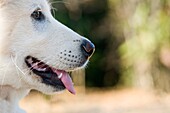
pixel 19 37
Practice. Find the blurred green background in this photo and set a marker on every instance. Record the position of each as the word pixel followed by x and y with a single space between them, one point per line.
pixel 131 37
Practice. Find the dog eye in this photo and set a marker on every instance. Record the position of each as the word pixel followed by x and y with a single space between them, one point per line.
pixel 38 15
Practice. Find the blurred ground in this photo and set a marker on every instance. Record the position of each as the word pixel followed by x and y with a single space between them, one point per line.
pixel 99 101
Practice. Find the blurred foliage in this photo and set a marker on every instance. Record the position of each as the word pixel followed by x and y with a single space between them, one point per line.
pixel 132 40
pixel 145 53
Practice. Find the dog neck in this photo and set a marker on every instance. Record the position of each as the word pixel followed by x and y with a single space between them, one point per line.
pixel 9 99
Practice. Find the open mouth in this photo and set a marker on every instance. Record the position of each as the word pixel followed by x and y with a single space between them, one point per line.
pixel 50 76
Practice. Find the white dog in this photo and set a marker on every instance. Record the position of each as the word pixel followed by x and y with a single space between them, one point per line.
pixel 36 52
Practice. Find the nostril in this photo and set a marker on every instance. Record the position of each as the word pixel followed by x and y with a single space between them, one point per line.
pixel 88 48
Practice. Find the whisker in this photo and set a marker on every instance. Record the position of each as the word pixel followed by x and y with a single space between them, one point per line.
pixel 53 11
pixel 17 66
pixel 59 2
pixel 3 79
pixel 20 77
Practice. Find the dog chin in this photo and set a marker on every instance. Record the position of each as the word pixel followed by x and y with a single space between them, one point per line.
pixel 46 89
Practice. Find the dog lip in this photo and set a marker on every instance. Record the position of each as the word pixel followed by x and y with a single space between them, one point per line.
pixel 50 75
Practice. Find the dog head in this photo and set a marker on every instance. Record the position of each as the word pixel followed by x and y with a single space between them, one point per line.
pixel 41 50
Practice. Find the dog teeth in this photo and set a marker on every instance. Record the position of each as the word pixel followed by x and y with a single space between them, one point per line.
pixel 60 75
pixel 43 69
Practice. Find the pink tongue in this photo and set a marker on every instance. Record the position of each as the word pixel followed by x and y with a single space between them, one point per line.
pixel 66 79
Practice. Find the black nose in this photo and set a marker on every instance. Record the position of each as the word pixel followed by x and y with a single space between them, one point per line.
pixel 88 48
